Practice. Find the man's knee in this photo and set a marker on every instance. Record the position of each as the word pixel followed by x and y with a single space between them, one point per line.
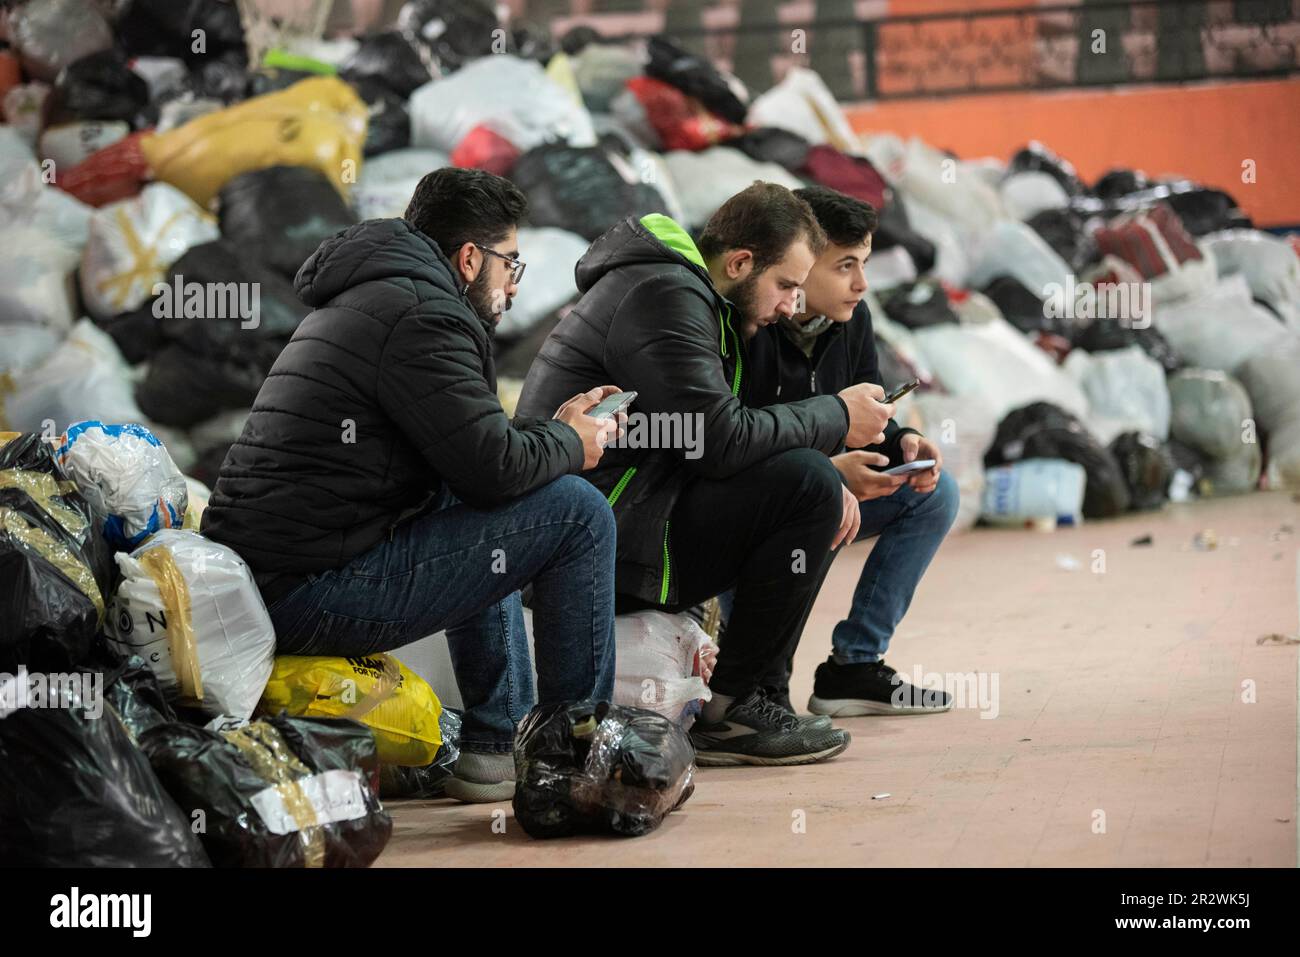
pixel 811 473
pixel 581 502
pixel 944 501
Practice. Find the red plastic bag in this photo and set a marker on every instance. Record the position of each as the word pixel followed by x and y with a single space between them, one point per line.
pixel 116 172
pixel 851 175
pixel 681 122
pixel 484 148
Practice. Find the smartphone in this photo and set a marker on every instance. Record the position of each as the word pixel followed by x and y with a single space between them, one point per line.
pixel 901 391
pixel 611 405
pixel 920 465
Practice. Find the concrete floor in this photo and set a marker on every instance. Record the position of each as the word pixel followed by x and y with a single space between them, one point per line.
pixel 1121 736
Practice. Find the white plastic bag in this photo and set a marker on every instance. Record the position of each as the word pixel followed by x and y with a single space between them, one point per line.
pixel 994 363
pixel 889 269
pixel 133 486
pixel 1126 392
pixel 964 430
pixel 1013 249
pixel 707 179
pixel 1221 329
pixel 84 378
pixel 190 608
pixel 802 103
pixel 1031 192
pixel 1269 264
pixel 1210 412
pixel 514 97
pixel 952 258
pixel 70 143
pixel 930 177
pixel 24 109
pixel 25 347
pixel 662 663
pixel 133 242
pixel 1272 379
pixel 551 255
pixel 386 183
pixel 1032 489
pixel 36 283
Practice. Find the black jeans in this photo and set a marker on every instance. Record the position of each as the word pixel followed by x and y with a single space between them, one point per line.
pixel 766 533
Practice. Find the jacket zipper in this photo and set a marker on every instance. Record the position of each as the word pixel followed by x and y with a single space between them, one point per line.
pixel 617 490
pixel 668 566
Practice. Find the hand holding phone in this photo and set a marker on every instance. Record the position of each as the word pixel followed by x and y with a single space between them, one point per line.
pixel 919 465
pixel 610 406
pixel 901 391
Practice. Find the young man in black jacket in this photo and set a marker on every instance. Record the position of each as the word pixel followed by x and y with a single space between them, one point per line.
pixel 380 493
pixel 729 495
pixel 826 348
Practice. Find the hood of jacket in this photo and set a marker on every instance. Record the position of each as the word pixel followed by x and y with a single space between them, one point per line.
pixel 650 239
pixel 377 249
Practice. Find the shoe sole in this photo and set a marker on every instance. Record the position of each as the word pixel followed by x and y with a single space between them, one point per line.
pixel 860 707
pixel 724 759
pixel 474 792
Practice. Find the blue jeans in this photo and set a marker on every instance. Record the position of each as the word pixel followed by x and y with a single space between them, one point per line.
pixel 911 525
pixel 460 568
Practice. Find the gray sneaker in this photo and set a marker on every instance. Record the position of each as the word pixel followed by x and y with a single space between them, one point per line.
pixel 482 778
pixel 756 730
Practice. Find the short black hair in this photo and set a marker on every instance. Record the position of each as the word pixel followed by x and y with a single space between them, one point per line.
pixel 846 220
pixel 455 206
pixel 766 219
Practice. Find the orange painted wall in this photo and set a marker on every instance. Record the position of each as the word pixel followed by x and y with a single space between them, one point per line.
pixel 1202 132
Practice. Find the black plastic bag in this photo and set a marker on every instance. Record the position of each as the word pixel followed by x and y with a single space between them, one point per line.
pixel 770 144
pixel 397 781
pixel 918 304
pixel 388 122
pixel 1116 183
pixel 895 230
pixel 1044 431
pixel 278 792
pixel 454 31
pixel 99 87
pixel 223 78
pixel 580 189
pixel 694 76
pixel 594 766
pixel 279 215
pixel 1147 467
pixel 183 388
pixel 166 28
pixel 1038 157
pixel 1205 211
pixel 1064 231
pixel 1101 335
pixel 56 570
pixel 390 59
pixel 79 793
pixel 1023 309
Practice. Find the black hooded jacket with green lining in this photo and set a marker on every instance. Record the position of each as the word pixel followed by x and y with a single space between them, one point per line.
pixel 650 320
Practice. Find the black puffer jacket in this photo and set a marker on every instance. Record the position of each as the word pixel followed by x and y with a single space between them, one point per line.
pixel 385 392
pixel 842 356
pixel 650 320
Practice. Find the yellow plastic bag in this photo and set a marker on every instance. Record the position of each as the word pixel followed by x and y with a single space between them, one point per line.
pixel 378 690
pixel 318 122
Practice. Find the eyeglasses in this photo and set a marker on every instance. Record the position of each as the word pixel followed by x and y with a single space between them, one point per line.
pixel 517 266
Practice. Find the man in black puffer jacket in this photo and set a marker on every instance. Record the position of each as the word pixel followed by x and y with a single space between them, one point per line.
pixel 736 496
pixel 380 494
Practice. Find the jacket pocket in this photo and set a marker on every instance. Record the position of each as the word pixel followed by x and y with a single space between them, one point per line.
pixel 345 636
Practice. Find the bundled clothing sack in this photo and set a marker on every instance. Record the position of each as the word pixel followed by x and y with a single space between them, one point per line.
pixel 697 78
pixel 101 86
pixel 664 664
pixel 1210 415
pixel 86 796
pixel 592 766
pixel 133 486
pixel 1274 388
pixel 55 567
pixel 83 378
pixel 1270 266
pixel 190 608
pixel 133 242
pixel 1220 329
pixel 318 122
pixel 852 175
pixel 36 284
pixel 389 58
pixel 1104 335
pixel 395 703
pixel 1034 488
pixel 1043 431
pixel 802 103
pixel 771 144
pixel 679 122
pixel 514 97
pixel 1155 243
pixel 705 180
pixel 1147 466
pixel 279 215
pixel 54 34
pixel 1126 391
pixel 585 191
pixel 279 792
pixel 387 183
pixel 1013 249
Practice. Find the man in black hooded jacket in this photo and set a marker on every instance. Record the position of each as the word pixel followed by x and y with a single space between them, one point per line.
pixel 708 492
pixel 380 494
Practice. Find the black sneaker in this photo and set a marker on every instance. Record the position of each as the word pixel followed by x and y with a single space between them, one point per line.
pixel 755 730
pixel 847 691
pixel 781 697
